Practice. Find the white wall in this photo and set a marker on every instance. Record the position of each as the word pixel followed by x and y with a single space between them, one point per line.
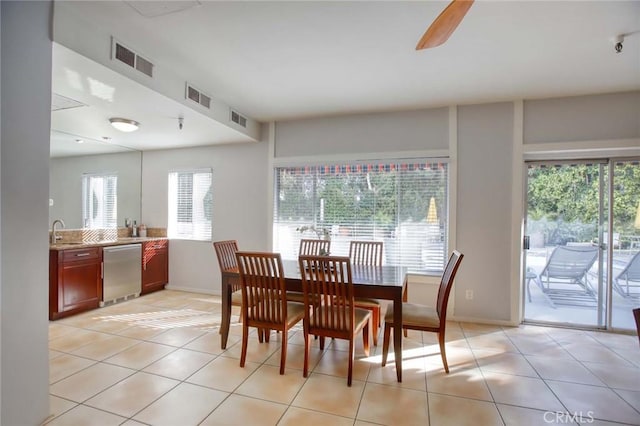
pixel 582 118
pixel 24 179
pixel 485 134
pixel 65 185
pixel 363 133
pixel 240 207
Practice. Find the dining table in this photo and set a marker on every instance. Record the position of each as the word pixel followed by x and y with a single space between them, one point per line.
pixel 379 282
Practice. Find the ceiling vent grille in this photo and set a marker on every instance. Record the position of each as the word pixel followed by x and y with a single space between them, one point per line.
pixel 131 58
pixel 238 119
pixel 198 97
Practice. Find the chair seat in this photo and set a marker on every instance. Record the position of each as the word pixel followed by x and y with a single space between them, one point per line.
pixel 236 298
pixel 295 312
pixel 414 315
pixel 361 315
pixel 295 296
pixel 366 301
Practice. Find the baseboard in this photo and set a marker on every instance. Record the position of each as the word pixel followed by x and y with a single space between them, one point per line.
pixel 484 321
pixel 192 289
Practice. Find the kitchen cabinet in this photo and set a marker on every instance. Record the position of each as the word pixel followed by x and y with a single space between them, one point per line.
pixel 155 265
pixel 75 281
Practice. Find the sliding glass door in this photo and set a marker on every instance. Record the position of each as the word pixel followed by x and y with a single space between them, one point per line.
pixel 580 236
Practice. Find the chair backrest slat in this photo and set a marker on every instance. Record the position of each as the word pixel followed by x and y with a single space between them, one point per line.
pixel 263 287
pixel 366 252
pixel 314 247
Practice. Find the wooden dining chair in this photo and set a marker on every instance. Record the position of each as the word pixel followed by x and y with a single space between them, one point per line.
pixel 368 253
pixel 226 253
pixel 425 318
pixel 264 301
pixel 314 247
pixel 328 293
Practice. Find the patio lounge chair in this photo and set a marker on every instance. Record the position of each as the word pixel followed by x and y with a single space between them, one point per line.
pixel 627 283
pixel 568 267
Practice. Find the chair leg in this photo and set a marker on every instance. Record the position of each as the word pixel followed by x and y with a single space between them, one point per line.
pixel 352 353
pixel 376 324
pixel 283 352
pixel 267 334
pixel 245 340
pixel 307 343
pixel 385 343
pixel 443 353
pixel 365 337
pixel 321 343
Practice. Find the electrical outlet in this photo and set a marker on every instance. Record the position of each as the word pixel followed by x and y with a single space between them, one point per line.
pixel 469 294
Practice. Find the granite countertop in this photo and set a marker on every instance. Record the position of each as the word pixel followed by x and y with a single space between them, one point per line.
pixel 66 245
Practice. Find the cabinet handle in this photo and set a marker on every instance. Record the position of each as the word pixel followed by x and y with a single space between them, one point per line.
pixel 83 254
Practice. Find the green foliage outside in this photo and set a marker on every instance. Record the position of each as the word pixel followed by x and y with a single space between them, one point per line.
pixel 375 199
pixel 563 200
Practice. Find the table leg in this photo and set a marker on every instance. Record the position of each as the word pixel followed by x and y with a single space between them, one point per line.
pixel 226 312
pixel 397 334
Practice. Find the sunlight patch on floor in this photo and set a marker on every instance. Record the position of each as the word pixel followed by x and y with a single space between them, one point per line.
pixel 167 319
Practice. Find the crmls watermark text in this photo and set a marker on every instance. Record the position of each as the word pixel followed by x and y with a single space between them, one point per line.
pixel 567 418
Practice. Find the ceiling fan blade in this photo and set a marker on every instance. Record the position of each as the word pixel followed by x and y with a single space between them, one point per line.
pixel 444 25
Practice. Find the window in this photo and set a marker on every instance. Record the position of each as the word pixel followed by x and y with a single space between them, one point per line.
pixel 190 205
pixel 99 200
pixel 403 204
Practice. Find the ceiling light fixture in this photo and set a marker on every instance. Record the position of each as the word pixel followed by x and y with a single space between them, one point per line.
pixel 124 124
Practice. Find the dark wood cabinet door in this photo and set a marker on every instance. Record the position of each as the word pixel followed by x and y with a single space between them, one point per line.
pixel 75 281
pixel 155 265
pixel 81 284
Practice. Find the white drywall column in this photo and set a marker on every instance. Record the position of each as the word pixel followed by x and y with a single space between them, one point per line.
pixel 24 183
pixel 517 212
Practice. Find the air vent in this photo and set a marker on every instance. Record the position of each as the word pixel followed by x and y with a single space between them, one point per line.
pixel 144 66
pixel 131 58
pixel 198 97
pixel 238 119
pixel 59 102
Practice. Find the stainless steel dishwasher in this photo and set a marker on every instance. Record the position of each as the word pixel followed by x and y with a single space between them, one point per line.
pixel 122 272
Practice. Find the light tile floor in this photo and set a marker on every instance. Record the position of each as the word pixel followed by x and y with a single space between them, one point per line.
pixel 156 360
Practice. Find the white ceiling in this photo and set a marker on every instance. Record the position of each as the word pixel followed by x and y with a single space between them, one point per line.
pixel 283 60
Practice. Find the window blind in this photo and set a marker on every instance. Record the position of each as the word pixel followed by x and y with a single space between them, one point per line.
pixel 99 200
pixel 403 204
pixel 190 204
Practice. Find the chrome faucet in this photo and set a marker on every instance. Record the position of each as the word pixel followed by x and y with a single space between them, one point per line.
pixel 54 237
